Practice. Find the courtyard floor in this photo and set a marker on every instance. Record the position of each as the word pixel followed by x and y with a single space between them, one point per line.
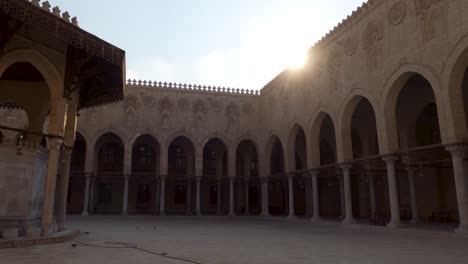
pixel 217 240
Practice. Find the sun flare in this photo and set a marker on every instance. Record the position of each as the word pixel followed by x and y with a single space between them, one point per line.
pixel 296 61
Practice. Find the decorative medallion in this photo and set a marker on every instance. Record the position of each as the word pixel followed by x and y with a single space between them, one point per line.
pixel 349 46
pixel 147 100
pixel 397 13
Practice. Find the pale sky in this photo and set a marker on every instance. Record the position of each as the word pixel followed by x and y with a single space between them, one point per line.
pixel 231 43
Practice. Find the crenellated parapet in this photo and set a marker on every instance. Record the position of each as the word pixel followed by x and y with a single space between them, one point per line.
pixel 192 88
pixel 55 11
pixel 348 21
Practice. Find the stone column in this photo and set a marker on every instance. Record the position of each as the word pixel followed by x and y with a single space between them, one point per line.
pixel 246 193
pixel 189 195
pixel 412 188
pixel 372 194
pixel 218 195
pixel 315 196
pixel 125 196
pixel 219 175
pixel 393 192
pixel 157 195
pixel 342 196
pixel 63 188
pixel 231 196
pixel 246 172
pixel 291 195
pixel 91 194
pixel 86 196
pixel 265 203
pixel 162 200
pixel 49 193
pixel 163 167
pixel 460 166
pixel 197 206
pixel 349 219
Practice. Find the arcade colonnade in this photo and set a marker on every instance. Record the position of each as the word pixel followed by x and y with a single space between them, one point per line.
pixel 372 159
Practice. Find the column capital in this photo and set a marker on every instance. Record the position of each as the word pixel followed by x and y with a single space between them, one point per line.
pixel 411 169
pixel 457 149
pixel 55 144
pixel 264 179
pixel 232 179
pixel 346 166
pixel 314 173
pixel 390 157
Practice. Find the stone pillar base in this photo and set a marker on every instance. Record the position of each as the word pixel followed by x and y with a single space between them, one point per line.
pixel 316 219
pixel 462 230
pixel 395 224
pixel 292 217
pixel 32 231
pixel 349 221
pixel 84 214
pixel 10 233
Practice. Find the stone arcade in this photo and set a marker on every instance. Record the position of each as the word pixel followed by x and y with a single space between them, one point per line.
pixel 372 130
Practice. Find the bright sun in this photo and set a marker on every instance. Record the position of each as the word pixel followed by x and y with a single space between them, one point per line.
pixel 296 61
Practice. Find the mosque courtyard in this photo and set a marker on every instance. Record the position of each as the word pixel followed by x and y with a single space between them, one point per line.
pixel 171 239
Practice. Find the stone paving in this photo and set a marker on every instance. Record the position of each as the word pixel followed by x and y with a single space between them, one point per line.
pixel 218 240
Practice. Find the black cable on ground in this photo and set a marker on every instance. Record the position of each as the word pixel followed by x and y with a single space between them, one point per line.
pixel 133 246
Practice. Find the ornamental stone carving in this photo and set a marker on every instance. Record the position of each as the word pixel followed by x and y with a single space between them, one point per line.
pixel 232 115
pixel 431 17
pixel 397 13
pixel 373 35
pixel 184 105
pixel 131 102
pixel 166 108
pixel 247 109
pixel 349 46
pixel 232 111
pixel 215 105
pixel 199 110
pixel 333 66
pixel 147 101
pixel 130 106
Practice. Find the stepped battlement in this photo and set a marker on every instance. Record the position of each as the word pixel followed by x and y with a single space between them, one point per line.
pixel 192 88
pixel 55 11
